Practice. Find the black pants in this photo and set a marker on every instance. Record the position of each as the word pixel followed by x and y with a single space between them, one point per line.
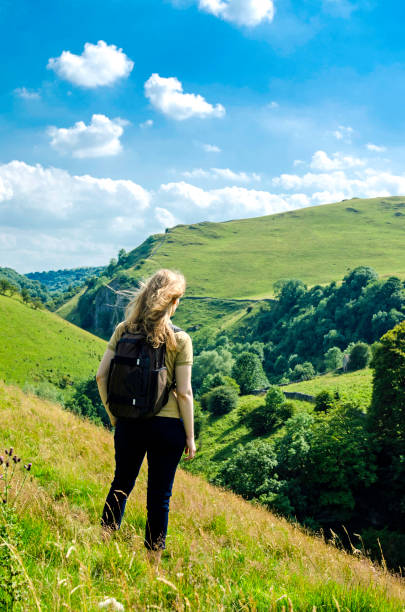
pixel 163 439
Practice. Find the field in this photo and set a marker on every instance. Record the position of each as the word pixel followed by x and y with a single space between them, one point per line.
pixel 355 386
pixel 39 346
pixel 223 553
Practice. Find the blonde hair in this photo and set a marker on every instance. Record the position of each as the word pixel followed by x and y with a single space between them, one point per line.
pixel 152 305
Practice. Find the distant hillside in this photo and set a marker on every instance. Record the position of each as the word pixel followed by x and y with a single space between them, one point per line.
pixel 37 345
pixel 223 553
pixel 61 280
pixel 20 281
pixel 243 258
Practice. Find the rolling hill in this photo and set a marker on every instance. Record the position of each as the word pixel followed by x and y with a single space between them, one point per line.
pixel 223 553
pixel 241 259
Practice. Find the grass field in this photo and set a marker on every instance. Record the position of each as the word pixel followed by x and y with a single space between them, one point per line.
pixel 356 386
pixel 318 244
pixel 38 346
pixel 222 552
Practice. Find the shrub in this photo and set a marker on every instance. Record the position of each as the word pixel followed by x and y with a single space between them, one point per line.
pixel 268 417
pixel 359 356
pixel 324 401
pixel 222 399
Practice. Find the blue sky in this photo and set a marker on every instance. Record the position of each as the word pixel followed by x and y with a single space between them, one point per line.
pixel 121 118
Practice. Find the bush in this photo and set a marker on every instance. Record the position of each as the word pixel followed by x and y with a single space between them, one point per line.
pixel 271 415
pixel 222 400
pixel 211 381
pixel 324 400
pixel 359 356
pixel 231 382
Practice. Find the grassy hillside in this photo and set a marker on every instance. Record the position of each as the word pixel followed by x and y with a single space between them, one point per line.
pixel 68 310
pixel 223 553
pixel 356 386
pixel 37 345
pixel 318 244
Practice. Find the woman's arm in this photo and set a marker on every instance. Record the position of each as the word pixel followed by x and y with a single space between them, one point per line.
pixel 184 394
pixel 101 378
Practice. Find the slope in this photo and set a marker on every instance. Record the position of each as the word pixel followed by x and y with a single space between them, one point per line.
pixel 318 244
pixel 37 345
pixel 222 552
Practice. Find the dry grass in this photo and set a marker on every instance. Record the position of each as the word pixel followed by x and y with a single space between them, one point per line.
pixel 223 553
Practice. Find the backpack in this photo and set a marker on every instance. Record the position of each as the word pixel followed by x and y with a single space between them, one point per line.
pixel 137 379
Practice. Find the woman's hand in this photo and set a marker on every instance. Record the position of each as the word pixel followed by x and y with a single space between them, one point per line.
pixel 190 448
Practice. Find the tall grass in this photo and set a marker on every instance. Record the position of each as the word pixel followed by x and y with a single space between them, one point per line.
pixel 223 553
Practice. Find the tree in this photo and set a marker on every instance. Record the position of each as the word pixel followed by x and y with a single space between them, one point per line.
pixel 250 471
pixel 303 371
pixel 333 358
pixel 222 400
pixel 211 362
pixel 359 356
pixel 25 295
pixel 248 373
pixel 386 418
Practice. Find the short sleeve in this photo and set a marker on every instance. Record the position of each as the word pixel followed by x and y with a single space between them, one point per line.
pixel 184 355
pixel 112 344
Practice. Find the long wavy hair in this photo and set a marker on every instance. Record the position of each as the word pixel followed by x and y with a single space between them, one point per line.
pixel 152 305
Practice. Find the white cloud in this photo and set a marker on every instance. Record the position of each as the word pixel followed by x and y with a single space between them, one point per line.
pixel 98 65
pixel 223 174
pixel 241 12
pixel 273 104
pixel 60 220
pixel 375 148
pixel 344 133
pixel 146 124
pixel 166 95
pixel 25 94
pixel 98 139
pixel 189 202
pixel 209 148
pixel 338 161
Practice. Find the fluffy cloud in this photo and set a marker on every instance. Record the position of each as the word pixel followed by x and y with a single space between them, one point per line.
pixel 321 161
pixel 59 219
pixel 191 203
pixel 99 64
pixel 376 148
pixel 166 95
pixel 223 174
pixel 241 12
pixel 25 94
pixel 98 139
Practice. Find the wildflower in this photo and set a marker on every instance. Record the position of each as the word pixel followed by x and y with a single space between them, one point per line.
pixel 111 601
pixel 1 459
pixel 7 463
pixel 15 459
pixel 28 466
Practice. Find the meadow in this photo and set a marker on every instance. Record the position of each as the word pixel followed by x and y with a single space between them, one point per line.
pixel 223 552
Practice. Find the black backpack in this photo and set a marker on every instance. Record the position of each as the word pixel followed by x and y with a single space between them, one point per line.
pixel 137 379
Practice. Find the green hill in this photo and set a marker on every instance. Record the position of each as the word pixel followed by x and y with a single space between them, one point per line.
pixel 241 259
pixel 223 553
pixel 39 346
pixel 318 244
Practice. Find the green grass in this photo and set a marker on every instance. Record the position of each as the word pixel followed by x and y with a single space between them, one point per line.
pixel 38 346
pixel 356 386
pixel 318 244
pixel 68 310
pixel 222 552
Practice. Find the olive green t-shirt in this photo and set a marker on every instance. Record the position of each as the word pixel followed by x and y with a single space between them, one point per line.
pixel 183 355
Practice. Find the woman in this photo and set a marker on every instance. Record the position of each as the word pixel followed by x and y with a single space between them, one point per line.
pixel 165 436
